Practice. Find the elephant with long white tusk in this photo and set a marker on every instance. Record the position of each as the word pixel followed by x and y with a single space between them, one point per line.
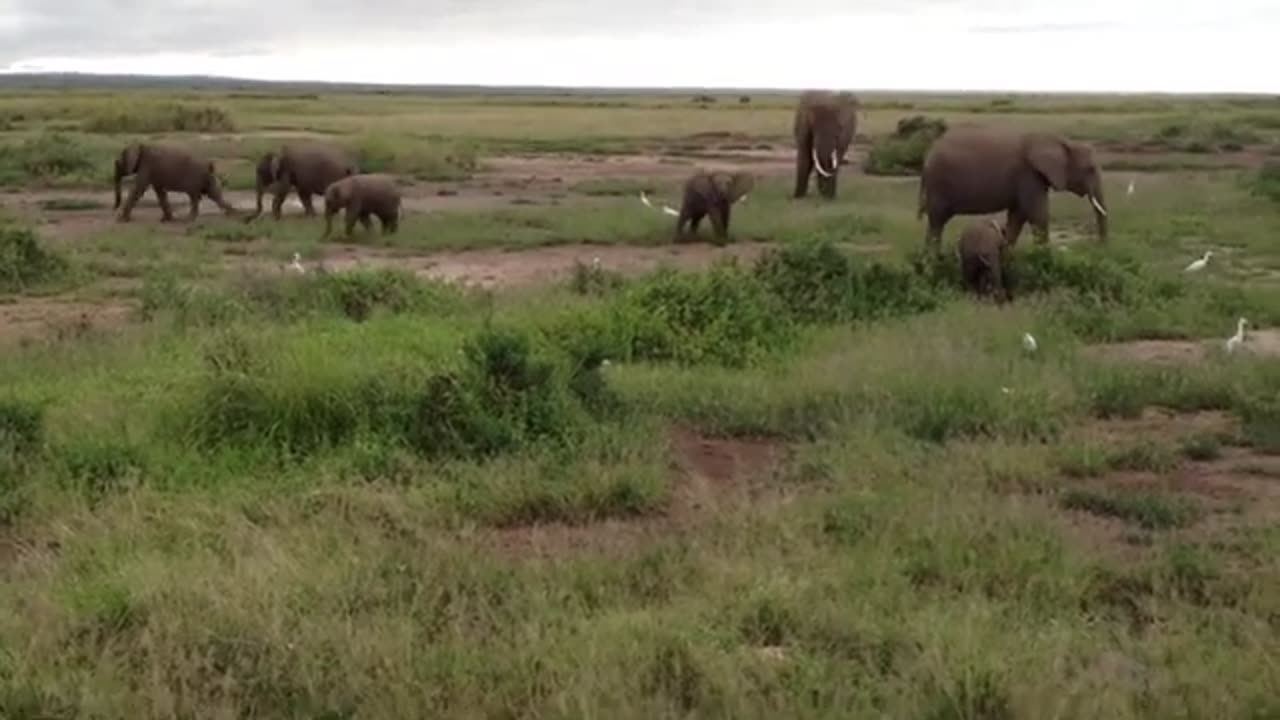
pixel 979 170
pixel 824 126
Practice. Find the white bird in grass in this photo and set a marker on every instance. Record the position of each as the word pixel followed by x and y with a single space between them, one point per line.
pixel 1029 343
pixel 1235 341
pixel 1133 183
pixel 595 263
pixel 1200 264
pixel 296 265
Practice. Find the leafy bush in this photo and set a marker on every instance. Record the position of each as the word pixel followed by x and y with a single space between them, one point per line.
pixel 509 394
pixel 438 159
pixel 21 427
pixel 819 283
pixel 24 263
pixel 1188 136
pixel 725 316
pixel 160 118
pixel 49 158
pixel 904 152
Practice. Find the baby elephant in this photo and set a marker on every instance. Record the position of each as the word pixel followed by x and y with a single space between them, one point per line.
pixel 709 193
pixel 362 196
pixel 982 250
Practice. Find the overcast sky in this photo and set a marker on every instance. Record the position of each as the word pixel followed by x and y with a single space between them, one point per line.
pixel 1091 45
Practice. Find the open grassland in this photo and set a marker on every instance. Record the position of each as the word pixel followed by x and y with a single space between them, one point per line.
pixel 469 471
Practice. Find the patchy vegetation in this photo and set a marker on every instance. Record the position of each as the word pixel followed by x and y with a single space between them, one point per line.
pixel 116 119
pixel 904 152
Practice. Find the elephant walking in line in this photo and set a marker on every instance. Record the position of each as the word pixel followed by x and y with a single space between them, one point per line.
pixel 165 168
pixel 710 194
pixel 307 167
pixel 363 197
pixel 824 126
pixel 977 170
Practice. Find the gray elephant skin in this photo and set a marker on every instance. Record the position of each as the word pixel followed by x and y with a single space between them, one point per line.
pixel 824 127
pixel 363 197
pixel 166 168
pixel 982 250
pixel 308 168
pixel 979 170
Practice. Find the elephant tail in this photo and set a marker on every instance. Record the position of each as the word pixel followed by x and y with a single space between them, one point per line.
pixel 921 201
pixel 644 198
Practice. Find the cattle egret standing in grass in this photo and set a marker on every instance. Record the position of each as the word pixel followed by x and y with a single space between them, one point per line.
pixel 1238 339
pixel 644 198
pixel 1133 182
pixel 1029 343
pixel 296 265
pixel 1200 264
pixel 595 263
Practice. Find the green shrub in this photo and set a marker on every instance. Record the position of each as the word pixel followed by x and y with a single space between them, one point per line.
pixel 510 393
pixel 437 159
pixel 50 158
pixel 99 468
pixel 724 316
pixel 160 118
pixel 1266 182
pixel 24 263
pixel 818 283
pixel 21 427
pixel 904 152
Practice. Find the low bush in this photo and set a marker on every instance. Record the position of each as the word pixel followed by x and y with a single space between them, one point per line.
pixel 51 158
pixel 24 262
pixel 904 152
pixel 1266 182
pixel 160 118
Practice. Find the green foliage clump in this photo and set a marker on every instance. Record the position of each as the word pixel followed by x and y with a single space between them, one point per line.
pixel 50 158
pixel 904 152
pixel 436 160
pixel 1266 182
pixel 24 262
pixel 21 439
pixel 1150 511
pixel 820 284
pixel 160 118
pixel 725 317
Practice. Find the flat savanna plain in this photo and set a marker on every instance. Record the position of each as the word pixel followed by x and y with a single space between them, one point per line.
pixel 530 458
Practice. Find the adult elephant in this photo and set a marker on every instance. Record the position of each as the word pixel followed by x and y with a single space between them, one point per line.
pixel 305 167
pixel 824 126
pixel 166 168
pixel 980 170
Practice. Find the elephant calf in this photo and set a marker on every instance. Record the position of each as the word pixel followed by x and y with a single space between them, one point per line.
pixel 165 168
pixel 982 250
pixel 710 194
pixel 363 196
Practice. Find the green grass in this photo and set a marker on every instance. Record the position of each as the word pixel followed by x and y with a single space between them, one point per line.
pixel 364 493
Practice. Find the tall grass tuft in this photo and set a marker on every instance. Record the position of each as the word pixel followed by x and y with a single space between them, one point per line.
pixel 24 262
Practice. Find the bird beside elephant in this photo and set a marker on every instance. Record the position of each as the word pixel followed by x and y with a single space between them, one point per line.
pixel 712 194
pixel 980 170
pixel 308 168
pixel 824 126
pixel 982 250
pixel 166 168
pixel 363 197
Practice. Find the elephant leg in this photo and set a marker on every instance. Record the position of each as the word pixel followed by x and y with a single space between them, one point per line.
pixel 804 166
pixel 329 212
pixel 277 200
pixel 695 221
pixel 162 199
pixel 1014 221
pixel 307 207
pixel 366 221
pixel 1033 205
pixel 827 187
pixel 938 220
pixel 720 220
pixel 390 222
pixel 140 184
pixel 194 205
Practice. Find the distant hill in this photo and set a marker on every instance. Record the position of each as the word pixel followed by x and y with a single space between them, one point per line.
pixel 205 82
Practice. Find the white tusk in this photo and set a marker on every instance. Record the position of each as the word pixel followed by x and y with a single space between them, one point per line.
pixel 817 165
pixel 644 198
pixel 835 160
pixel 1098 206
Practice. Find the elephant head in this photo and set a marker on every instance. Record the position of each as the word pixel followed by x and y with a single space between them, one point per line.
pixel 825 124
pixel 1069 165
pixel 736 186
pixel 127 163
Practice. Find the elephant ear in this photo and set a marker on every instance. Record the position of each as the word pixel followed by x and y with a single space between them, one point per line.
pixel 1050 157
pixel 739 185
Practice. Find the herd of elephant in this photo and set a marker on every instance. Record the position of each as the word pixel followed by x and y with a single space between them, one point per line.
pixel 970 170
pixel 308 168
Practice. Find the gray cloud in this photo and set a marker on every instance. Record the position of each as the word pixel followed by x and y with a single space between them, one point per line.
pixel 89 28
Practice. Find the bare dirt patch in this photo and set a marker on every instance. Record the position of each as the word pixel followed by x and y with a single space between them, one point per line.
pixel 1181 352
pixel 709 474
pixel 516 268
pixel 32 319
pixel 1158 424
